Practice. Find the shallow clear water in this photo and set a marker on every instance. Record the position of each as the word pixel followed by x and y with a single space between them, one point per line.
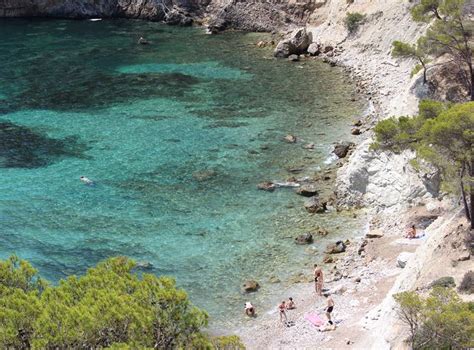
pixel 176 135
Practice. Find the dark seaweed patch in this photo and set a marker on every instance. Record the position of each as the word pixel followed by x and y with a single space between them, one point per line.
pixel 21 147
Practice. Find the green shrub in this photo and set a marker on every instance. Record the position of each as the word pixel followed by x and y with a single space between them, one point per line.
pixel 440 321
pixel 467 283
pixel 445 282
pixel 353 20
pixel 430 109
pixel 231 342
pixel 109 305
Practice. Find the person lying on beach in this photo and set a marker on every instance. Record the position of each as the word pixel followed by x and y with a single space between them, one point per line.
pixel 282 312
pixel 411 233
pixel 330 306
pixel 249 309
pixel 318 279
pixel 291 304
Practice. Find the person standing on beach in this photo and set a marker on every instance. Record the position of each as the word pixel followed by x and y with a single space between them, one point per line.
pixel 318 279
pixel 282 311
pixel 249 309
pixel 329 308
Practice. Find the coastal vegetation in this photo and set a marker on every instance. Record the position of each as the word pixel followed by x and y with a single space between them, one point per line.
pixel 110 306
pixel 448 36
pixel 442 134
pixel 439 321
pixel 353 20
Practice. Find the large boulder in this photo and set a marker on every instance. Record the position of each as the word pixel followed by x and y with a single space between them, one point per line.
pixel 315 205
pixel 314 49
pixel 342 149
pixel 306 238
pixel 296 44
pixel 336 248
pixel 250 286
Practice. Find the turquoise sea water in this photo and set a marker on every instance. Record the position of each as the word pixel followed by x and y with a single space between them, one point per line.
pixel 176 135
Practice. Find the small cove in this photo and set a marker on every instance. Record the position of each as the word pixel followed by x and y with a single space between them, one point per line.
pixel 176 134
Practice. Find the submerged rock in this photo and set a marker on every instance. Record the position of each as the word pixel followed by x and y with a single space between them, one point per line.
pixel 314 205
pixel 306 238
pixel 290 138
pixel 307 191
pixel 266 186
pixel 250 286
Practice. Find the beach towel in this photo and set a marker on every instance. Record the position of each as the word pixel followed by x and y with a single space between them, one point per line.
pixel 315 319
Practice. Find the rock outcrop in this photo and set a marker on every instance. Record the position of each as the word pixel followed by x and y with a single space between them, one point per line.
pixel 296 44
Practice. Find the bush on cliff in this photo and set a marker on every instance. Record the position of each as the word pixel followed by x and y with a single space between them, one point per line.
pixel 353 20
pixel 110 306
pixel 442 134
pixel 440 321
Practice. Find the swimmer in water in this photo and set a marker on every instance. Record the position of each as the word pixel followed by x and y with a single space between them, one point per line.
pixel 86 181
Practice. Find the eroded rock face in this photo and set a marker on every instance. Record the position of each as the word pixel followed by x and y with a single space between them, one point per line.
pixel 251 15
pixel 383 179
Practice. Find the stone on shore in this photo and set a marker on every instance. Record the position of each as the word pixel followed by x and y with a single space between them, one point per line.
pixel 342 149
pixel 314 205
pixel 336 248
pixel 403 258
pixel 309 146
pixel 296 44
pixel 374 234
pixel 307 191
pixel 250 286
pixel 266 186
pixel 314 49
pixel 356 131
pixel 293 58
pixel 306 238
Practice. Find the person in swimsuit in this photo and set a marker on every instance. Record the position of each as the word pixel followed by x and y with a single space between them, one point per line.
pixel 291 304
pixel 282 311
pixel 329 308
pixel 249 309
pixel 318 279
pixel 86 181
